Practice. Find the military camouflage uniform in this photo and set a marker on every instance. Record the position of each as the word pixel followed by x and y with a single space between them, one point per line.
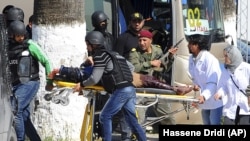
pixel 141 61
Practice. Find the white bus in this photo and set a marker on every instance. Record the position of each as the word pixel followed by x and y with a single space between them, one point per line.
pixel 173 20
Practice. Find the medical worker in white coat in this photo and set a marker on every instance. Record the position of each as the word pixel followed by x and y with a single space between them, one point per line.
pixel 235 88
pixel 205 71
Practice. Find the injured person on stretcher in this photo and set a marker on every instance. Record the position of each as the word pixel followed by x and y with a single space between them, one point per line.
pixel 75 75
pixel 148 81
pixel 140 81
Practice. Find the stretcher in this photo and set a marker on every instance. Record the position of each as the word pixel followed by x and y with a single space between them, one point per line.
pixel 170 96
pixel 59 95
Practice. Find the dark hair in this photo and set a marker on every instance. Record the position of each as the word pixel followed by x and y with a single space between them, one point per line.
pixel 31 18
pixel 203 41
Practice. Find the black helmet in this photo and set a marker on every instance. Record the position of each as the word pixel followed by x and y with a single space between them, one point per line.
pixel 95 38
pixel 97 17
pixel 6 9
pixel 14 14
pixel 16 28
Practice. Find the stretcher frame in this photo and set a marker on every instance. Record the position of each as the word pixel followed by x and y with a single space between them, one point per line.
pixel 91 92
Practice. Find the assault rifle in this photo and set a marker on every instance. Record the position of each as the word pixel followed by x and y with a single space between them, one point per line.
pixel 165 55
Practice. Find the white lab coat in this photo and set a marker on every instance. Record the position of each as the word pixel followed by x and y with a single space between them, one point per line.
pixel 205 72
pixel 231 95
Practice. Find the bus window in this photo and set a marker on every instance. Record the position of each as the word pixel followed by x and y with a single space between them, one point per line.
pixel 162 13
pixel 203 17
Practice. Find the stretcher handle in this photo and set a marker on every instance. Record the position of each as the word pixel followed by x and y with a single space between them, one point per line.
pixel 148 105
pixel 71 84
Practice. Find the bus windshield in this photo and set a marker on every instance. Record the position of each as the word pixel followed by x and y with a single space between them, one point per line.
pixel 203 17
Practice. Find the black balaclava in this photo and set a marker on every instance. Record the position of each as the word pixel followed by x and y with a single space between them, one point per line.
pixel 102 28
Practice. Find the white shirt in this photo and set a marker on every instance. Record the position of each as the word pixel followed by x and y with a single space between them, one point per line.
pixel 205 72
pixel 231 94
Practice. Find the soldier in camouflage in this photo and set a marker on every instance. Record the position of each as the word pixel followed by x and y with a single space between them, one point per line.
pixel 147 60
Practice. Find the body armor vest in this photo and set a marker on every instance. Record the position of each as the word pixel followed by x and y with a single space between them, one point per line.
pixel 23 66
pixel 120 76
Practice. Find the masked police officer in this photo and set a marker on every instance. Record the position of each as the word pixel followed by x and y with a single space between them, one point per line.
pixel 114 73
pixel 100 23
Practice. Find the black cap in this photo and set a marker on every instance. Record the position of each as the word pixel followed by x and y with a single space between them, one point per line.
pixel 136 16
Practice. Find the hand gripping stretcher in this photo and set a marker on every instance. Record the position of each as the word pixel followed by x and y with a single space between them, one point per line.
pixel 59 95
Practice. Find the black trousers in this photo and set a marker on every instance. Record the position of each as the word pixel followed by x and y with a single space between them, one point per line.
pixel 243 120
